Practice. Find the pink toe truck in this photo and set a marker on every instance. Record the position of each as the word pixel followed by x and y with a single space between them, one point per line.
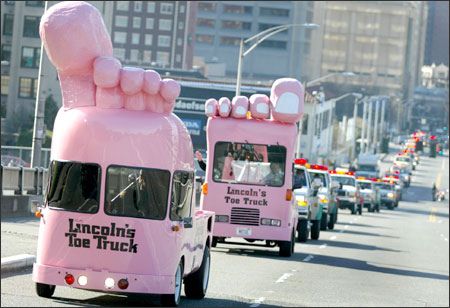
pixel 251 144
pixel 119 214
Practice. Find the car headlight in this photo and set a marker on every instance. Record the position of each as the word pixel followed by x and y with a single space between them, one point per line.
pixel 390 195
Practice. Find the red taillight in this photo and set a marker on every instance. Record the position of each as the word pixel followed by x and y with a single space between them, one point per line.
pixel 69 279
pixel 123 284
pixel 350 173
pixel 300 161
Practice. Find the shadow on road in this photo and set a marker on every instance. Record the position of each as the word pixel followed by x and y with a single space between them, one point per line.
pixel 363 225
pixel 350 245
pixel 368 233
pixel 422 212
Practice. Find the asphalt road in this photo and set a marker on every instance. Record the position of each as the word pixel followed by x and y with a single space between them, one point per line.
pixel 391 258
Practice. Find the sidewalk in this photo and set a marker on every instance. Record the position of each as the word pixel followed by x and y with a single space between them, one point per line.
pixel 19 242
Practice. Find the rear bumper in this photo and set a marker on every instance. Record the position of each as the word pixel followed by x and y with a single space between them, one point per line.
pixel 150 284
pixel 257 232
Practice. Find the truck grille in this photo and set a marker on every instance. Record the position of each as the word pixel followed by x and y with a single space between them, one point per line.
pixel 244 216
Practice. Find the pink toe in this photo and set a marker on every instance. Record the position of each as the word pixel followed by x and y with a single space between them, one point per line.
pixel 287 100
pixel 107 72
pixel 211 106
pixel 170 90
pixel 131 80
pixel 259 106
pixel 239 107
pixel 224 107
pixel 152 81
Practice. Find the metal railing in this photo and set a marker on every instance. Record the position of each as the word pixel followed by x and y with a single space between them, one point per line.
pixel 23 181
pixel 21 156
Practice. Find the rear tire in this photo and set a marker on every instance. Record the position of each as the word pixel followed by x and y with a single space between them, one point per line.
pixel 302 231
pixel 331 222
pixel 371 208
pixel 45 290
pixel 390 206
pixel 287 247
pixel 214 242
pixel 196 284
pixel 173 300
pixel 315 230
pixel 353 209
pixel 324 221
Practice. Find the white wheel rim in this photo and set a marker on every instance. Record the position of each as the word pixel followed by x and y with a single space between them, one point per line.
pixel 206 274
pixel 178 284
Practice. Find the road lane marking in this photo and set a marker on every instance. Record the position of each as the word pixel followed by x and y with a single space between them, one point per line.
pixel 442 235
pixel 284 277
pixel 257 302
pixel 323 246
pixel 351 222
pixel 294 270
pixel 308 258
pixel 333 237
pixel 432 217
pixel 440 221
pixel 446 239
pixel 346 227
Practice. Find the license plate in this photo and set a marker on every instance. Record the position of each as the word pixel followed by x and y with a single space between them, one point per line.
pixel 243 231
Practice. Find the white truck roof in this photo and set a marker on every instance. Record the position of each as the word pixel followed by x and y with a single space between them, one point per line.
pixel 368 159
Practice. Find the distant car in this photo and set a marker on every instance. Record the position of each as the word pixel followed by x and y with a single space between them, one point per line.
pixel 13 161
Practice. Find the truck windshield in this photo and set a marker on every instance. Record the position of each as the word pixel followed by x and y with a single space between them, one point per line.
pixel 74 186
pixel 300 178
pixel 367 168
pixel 384 186
pixel 320 176
pixel 136 192
pixel 344 180
pixel 403 159
pixel 246 163
pixel 365 185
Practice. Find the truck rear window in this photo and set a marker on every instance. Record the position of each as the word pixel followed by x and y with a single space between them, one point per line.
pixel 247 163
pixel 74 186
pixel 136 192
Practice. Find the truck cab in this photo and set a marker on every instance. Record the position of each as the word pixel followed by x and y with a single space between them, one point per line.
pixel 348 194
pixel 369 193
pixel 326 196
pixel 398 186
pixel 368 165
pixel 310 211
pixel 387 193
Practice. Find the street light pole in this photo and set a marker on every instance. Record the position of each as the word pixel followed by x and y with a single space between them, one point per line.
pixel 239 69
pixel 38 129
pixel 383 104
pixel 375 130
pixel 369 127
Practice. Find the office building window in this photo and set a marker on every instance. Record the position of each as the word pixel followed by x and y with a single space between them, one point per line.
pixel 148 39
pixel 182 9
pixel 180 25
pixel 122 5
pixel 8 20
pixel 138 6
pixel 119 53
pixel 136 22
pixel 179 41
pixel 162 57
pixel 178 58
pixel 121 21
pixel 6 52
pixel 9 2
pixel 149 22
pixel 206 23
pixel 264 26
pixel 231 24
pixel 30 57
pixel 27 87
pixel 35 3
pixel 207 6
pixel 135 38
pixel 134 55
pixel 31 26
pixel 273 12
pixel 205 39
pixel 163 41
pixel 165 24
pixel 5 85
pixel 229 41
pixel 120 37
pixel 150 7
pixel 147 56
pixel 166 8
pixel 237 9
pixel 274 44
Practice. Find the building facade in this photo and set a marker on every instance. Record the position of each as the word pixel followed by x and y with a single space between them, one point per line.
pixel 437 43
pixel 222 24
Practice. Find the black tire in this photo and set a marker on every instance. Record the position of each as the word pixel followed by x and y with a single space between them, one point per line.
pixel 173 300
pixel 360 207
pixel 45 290
pixel 196 284
pixel 315 230
pixel 378 208
pixel 336 215
pixel 302 231
pixel 371 208
pixel 390 206
pixel 353 209
pixel 331 222
pixel 214 242
pixel 287 247
pixel 324 221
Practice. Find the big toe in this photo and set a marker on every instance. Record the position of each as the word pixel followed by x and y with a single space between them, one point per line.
pixel 287 99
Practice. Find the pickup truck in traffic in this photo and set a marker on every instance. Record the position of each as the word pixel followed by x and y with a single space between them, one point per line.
pixel 348 194
pixel 369 193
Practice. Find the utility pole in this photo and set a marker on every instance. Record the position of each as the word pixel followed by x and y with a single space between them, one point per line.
pixel 375 130
pixel 39 112
pixel 355 114
pixel 369 127
pixel 383 105
pixel 363 130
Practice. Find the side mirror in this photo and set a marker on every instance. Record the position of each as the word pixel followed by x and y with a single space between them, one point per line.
pixel 187 222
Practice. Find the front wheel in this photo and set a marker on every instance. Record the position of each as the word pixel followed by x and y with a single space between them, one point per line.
pixel 45 290
pixel 196 284
pixel 324 221
pixel 173 300
pixel 331 222
pixel 315 230
pixel 302 230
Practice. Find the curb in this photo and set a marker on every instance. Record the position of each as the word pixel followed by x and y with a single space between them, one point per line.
pixel 17 262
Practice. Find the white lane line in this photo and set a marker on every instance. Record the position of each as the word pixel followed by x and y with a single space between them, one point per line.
pixel 351 222
pixel 333 237
pixel 346 227
pixel 257 302
pixel 440 221
pixel 442 235
pixel 284 277
pixel 446 239
pixel 294 270
pixel 323 246
pixel 308 258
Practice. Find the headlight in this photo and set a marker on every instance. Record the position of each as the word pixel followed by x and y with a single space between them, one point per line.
pixel 390 195
pixel 270 222
pixel 222 218
pixel 323 198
